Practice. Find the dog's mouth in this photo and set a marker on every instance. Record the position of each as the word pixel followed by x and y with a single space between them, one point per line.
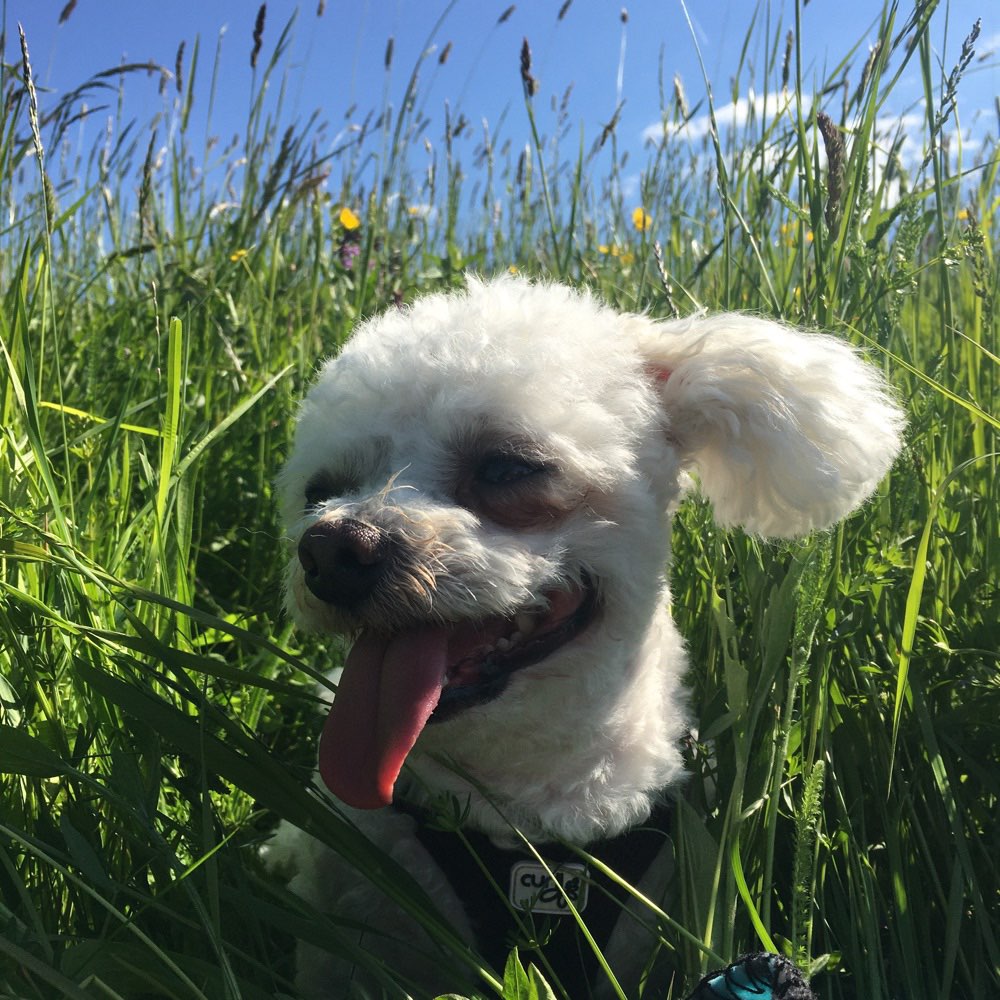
pixel 394 685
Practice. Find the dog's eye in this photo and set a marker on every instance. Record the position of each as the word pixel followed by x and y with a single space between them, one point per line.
pixel 504 470
pixel 516 489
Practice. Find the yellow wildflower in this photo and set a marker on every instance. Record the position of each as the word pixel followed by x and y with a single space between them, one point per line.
pixel 628 258
pixel 348 219
pixel 641 219
pixel 238 255
pixel 603 248
pixel 513 268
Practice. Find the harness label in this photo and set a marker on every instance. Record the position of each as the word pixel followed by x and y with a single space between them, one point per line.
pixel 531 887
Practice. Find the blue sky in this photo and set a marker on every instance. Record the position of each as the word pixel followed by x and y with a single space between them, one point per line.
pixel 338 59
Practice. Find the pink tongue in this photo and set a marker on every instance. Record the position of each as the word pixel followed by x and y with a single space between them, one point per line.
pixel 388 690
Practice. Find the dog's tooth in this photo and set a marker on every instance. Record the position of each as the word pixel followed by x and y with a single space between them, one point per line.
pixel 525 623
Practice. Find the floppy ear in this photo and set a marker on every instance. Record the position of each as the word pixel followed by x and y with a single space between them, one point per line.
pixel 787 431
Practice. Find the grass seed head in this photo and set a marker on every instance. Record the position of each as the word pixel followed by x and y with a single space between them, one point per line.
pixel 258 35
pixel 866 73
pixel 29 82
pixel 529 82
pixel 179 68
pixel 786 64
pixel 680 97
pixel 833 141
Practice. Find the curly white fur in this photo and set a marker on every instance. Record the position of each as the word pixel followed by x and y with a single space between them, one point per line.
pixel 785 431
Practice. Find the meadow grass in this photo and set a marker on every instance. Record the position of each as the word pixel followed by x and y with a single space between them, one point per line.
pixel 163 305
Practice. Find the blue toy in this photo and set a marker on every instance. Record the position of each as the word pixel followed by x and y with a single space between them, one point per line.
pixel 755 977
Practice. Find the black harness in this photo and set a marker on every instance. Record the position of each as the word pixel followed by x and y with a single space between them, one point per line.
pixel 545 926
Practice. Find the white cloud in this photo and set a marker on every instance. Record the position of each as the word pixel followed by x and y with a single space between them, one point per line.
pixel 988 46
pixel 897 149
pixel 731 116
pixel 630 186
pixel 903 133
pixel 901 136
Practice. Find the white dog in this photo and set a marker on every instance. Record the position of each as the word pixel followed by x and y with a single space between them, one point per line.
pixel 480 492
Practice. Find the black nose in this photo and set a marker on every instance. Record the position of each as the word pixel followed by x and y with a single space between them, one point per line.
pixel 343 560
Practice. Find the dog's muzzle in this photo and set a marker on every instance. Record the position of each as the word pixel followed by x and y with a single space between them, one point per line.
pixel 403 673
pixel 343 561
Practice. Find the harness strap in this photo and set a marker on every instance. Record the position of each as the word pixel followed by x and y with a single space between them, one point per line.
pixel 498 926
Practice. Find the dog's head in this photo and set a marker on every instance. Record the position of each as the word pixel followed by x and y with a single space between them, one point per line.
pixel 480 490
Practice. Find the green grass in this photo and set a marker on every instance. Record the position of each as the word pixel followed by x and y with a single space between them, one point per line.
pixel 156 709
